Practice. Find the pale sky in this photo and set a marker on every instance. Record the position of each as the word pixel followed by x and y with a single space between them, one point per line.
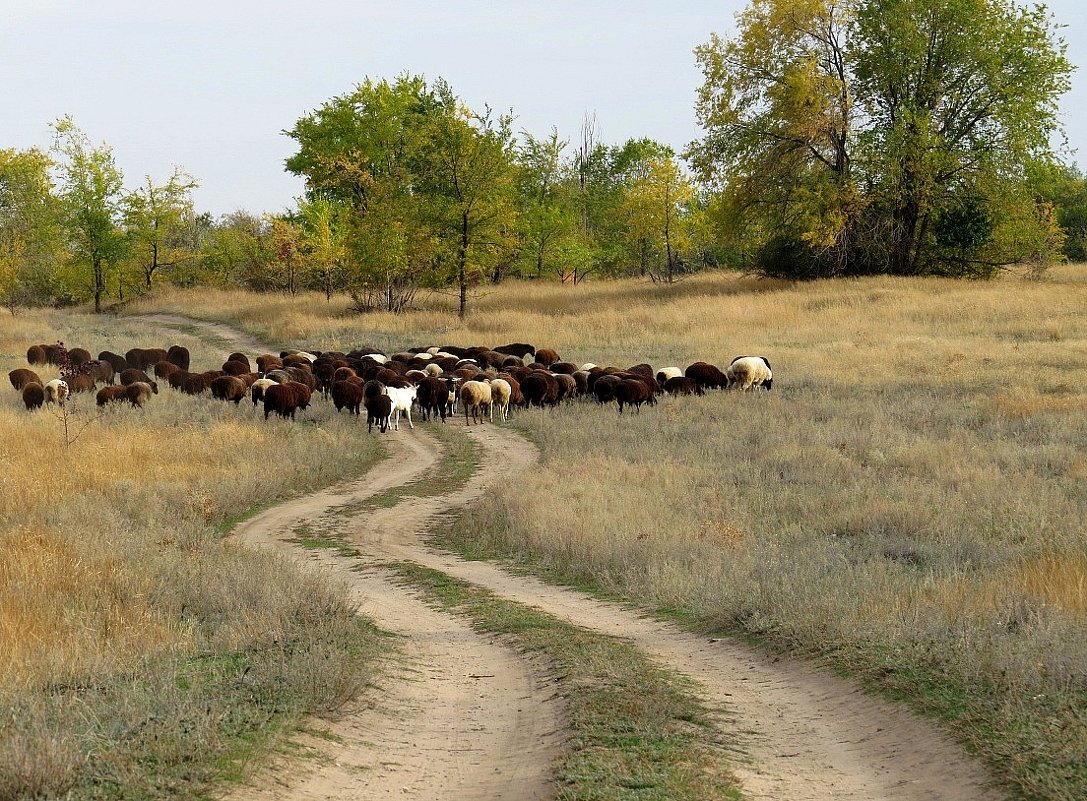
pixel 210 86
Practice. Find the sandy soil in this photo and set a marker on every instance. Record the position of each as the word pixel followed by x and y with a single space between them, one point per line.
pixel 465 718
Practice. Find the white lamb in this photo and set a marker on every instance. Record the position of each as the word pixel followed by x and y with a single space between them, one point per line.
pixel 402 398
pixel 500 397
pixel 749 371
pixel 56 391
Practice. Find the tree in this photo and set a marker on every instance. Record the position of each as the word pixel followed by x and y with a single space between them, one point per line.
pixel 30 242
pixel 91 202
pixel 323 242
pixel 237 250
pixel 154 217
pixel 467 177
pixel 655 208
pixel 852 136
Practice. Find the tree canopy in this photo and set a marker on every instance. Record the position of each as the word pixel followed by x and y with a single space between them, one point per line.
pixel 855 136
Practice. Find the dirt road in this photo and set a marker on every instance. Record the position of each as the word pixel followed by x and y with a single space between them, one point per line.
pixel 465 718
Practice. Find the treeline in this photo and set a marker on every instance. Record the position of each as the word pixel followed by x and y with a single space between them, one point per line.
pixel 910 137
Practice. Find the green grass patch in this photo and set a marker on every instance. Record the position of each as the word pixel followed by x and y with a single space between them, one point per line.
pixel 311 539
pixel 636 731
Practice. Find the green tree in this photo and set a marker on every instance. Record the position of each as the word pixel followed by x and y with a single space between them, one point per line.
pixel 237 250
pixel 854 136
pixel 323 243
pixel 154 217
pixel 30 236
pixel 656 209
pixel 91 203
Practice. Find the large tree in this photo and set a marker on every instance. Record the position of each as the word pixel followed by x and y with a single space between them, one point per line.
pixel 91 199
pixel 856 136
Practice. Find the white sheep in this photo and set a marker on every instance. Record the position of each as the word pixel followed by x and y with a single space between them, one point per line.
pixel 748 371
pixel 56 391
pixel 433 369
pixel 500 397
pixel 259 387
pixel 402 398
pixel 380 358
pixel 587 366
pixel 665 373
pixel 309 357
pixel 475 395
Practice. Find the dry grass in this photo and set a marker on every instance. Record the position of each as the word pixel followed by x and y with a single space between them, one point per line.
pixel 908 501
pixel 117 593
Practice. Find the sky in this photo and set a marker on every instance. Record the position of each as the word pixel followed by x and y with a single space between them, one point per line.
pixel 211 86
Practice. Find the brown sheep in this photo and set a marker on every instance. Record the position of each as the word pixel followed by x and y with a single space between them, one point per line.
pixel 145 358
pixel 568 368
pixel 681 385
pixel 706 375
pixel 21 376
pixel 631 392
pixel 268 362
pixel 77 356
pixel 117 361
pixel 379 409
pixel 240 357
pixel 179 355
pixel 302 394
pixel 165 369
pixel 81 382
pixel 112 394
pixel 139 393
pixel 235 368
pixel 281 399
pixel 347 395
pixel 102 371
pixel 33 396
pixel 518 349
pixel 35 354
pixel 132 375
pixel 228 388
pixel 546 357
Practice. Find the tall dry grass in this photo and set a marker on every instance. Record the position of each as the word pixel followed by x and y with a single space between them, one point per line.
pixel 134 642
pixel 908 501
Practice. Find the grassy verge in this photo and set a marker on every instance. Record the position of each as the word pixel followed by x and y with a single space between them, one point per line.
pixel 636 731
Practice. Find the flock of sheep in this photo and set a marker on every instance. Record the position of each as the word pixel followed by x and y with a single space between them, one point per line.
pixel 432 380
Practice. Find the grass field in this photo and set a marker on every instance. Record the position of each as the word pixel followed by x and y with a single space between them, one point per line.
pixel 139 655
pixel 907 504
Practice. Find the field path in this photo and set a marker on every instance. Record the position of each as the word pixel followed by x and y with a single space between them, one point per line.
pixel 806 735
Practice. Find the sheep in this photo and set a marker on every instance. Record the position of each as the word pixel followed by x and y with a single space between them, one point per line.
pixel 21 376
pixel 139 393
pixel 540 387
pixel 632 392
pixel 302 394
pixel 378 410
pixel 281 399
pixel 501 391
pixel 749 371
pixel 518 349
pixel 240 357
pixel 228 388
pixel 33 396
pixel 234 368
pixel 665 373
pixel 77 356
pixel 259 387
pixel 132 375
pixel 681 385
pixel 80 382
pixel 604 388
pixel 102 371
pixel 143 358
pixel 35 354
pixel 118 362
pixel 433 369
pixel 546 357
pixel 475 396
pixel 56 391
pixel 707 375
pixel 402 398
pixel 431 395
pixel 587 366
pixel 347 395
pixel 165 369
pixel 111 394
pixel 267 362
pixel 179 355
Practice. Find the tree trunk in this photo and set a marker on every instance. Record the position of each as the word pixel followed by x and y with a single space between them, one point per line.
pixel 462 264
pixel 99 280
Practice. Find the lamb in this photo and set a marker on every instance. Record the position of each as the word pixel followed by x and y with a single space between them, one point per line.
pixel 21 376
pixel 33 396
pixel 475 395
pixel 402 398
pixel 501 391
pixel 139 393
pixel 378 410
pixel 749 371
pixel 56 391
